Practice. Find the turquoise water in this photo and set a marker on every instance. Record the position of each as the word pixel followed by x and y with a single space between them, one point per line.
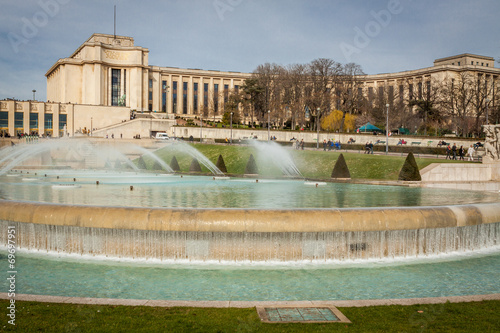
pixel 79 277
pixel 174 191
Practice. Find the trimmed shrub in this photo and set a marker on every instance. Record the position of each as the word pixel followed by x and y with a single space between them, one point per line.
pixel 174 164
pixel 251 167
pixel 409 171
pixel 195 166
pixel 340 170
pixel 221 165
pixel 141 164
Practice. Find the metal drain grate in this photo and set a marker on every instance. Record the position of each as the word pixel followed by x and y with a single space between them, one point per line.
pixel 301 315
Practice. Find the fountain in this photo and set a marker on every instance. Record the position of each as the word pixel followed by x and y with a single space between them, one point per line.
pixel 272 151
pixel 197 220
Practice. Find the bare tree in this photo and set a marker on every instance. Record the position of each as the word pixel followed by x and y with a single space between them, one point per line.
pixel 459 98
pixel 322 75
pixel 427 104
pixel 267 77
pixel 252 98
pixel 348 88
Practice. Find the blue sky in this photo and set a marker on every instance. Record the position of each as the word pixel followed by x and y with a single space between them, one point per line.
pixel 238 35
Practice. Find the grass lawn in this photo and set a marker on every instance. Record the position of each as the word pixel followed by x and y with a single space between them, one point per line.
pixel 316 164
pixel 51 317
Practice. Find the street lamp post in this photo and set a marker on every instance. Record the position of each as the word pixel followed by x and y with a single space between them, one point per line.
pixel 201 126
pixel 317 128
pixel 91 126
pixel 487 102
pixel 34 91
pixel 387 131
pixel 268 127
pixel 231 141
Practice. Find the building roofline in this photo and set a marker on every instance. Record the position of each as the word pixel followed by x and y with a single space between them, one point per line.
pixel 465 55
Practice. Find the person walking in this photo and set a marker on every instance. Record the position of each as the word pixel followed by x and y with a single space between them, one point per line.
pixel 471 152
pixel 461 153
pixel 454 151
pixel 448 151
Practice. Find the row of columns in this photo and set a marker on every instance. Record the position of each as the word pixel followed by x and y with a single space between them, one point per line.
pixel 157 102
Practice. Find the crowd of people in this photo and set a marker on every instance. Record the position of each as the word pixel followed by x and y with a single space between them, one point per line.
pixel 455 153
pixel 331 144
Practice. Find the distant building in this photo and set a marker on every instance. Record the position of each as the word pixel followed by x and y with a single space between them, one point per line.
pixel 107 77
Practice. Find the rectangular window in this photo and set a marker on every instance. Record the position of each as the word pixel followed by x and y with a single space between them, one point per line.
pixel 115 86
pixel 184 97
pixel 48 121
pixel 150 96
pixel 370 94
pixel 62 124
pixel 195 97
pixel 401 92
pixel 164 96
pixel 174 96
pixel 63 120
pixel 428 88
pixel 150 83
pixel 391 94
pixel 236 88
pixel 226 93
pixel 410 91
pixel 205 95
pixel 18 120
pixel 124 84
pixel 380 92
pixel 420 90
pixel 4 120
pixel 216 98
pixel 33 121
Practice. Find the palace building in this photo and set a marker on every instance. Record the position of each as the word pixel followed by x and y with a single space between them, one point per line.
pixel 108 76
pixel 110 70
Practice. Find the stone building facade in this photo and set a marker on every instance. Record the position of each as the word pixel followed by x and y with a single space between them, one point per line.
pixel 110 70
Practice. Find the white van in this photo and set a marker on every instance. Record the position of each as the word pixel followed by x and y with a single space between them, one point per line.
pixel 162 136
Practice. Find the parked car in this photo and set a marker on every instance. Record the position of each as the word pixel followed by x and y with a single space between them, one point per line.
pixel 162 136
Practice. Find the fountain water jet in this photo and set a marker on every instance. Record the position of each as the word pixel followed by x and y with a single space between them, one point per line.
pixel 153 156
pixel 187 148
pixel 49 153
pixel 272 151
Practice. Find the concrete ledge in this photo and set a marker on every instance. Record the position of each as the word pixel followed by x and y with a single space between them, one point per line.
pixel 250 304
pixel 250 220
